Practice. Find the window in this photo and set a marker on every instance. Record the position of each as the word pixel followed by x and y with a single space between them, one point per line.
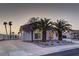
pixel 37 35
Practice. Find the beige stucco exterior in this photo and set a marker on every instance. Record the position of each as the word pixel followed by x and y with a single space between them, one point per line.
pixel 26 36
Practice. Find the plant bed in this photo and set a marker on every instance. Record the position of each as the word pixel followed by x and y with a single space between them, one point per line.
pixel 53 43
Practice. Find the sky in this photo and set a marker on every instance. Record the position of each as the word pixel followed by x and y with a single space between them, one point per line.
pixel 20 13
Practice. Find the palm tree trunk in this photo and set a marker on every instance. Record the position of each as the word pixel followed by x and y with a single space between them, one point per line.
pixel 44 36
pixel 6 31
pixel 60 36
pixel 10 32
pixel 32 35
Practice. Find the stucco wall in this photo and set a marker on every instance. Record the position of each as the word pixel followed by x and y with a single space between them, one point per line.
pixel 54 35
pixel 26 36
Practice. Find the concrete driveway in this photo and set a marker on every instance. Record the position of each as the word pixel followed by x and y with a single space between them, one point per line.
pixel 19 48
pixel 16 48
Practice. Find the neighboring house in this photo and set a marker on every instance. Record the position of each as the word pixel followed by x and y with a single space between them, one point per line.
pixel 37 34
pixel 1 36
pixel 73 34
pixel 4 37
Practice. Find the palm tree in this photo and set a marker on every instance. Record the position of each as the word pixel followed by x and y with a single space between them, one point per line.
pixel 10 24
pixel 61 26
pixel 33 21
pixel 5 23
pixel 44 25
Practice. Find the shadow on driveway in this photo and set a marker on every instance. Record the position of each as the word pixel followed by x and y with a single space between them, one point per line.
pixel 72 52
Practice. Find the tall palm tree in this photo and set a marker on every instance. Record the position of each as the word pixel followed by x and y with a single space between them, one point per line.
pixel 33 21
pixel 61 26
pixel 10 24
pixel 44 24
pixel 5 24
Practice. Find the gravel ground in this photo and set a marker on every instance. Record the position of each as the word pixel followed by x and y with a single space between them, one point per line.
pixel 53 43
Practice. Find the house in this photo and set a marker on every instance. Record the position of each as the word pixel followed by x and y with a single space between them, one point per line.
pixel 6 37
pixel 73 34
pixel 37 34
pixel 26 34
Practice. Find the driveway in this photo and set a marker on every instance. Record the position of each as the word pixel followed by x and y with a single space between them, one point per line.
pixel 16 48
pixel 19 48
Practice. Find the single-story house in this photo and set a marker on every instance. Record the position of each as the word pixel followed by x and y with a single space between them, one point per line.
pixel 37 34
pixel 6 37
pixel 26 34
pixel 73 34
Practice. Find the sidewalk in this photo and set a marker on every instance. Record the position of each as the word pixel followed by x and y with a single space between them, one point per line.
pixel 19 48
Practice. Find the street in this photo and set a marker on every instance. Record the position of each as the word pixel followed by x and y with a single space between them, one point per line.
pixel 72 52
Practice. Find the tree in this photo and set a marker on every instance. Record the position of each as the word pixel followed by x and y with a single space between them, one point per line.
pixel 10 24
pixel 33 21
pixel 5 24
pixel 61 26
pixel 44 25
